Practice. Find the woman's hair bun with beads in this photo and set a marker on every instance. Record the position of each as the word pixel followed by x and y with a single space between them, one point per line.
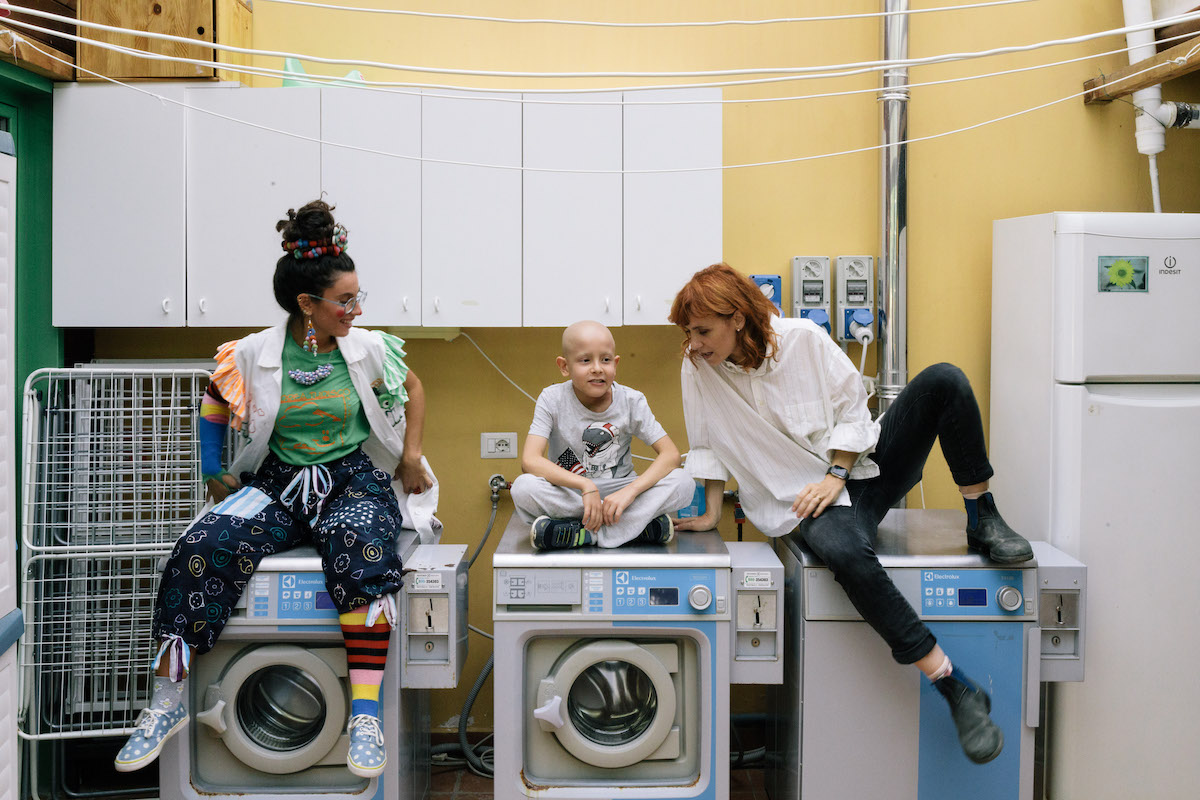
pixel 313 221
pixel 315 254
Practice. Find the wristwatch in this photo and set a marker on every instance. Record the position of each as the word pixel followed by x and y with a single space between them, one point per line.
pixel 838 472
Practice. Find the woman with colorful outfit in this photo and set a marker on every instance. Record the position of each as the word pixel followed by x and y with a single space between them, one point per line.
pixel 775 404
pixel 330 417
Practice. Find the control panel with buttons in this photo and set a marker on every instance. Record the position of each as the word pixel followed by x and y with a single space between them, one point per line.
pixel 974 593
pixel 615 592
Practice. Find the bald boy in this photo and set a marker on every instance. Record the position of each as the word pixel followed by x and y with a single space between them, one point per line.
pixel 579 486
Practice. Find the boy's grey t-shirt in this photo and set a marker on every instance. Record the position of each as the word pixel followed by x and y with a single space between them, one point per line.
pixel 595 445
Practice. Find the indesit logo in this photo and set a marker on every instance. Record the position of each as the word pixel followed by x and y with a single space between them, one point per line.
pixel 1170 266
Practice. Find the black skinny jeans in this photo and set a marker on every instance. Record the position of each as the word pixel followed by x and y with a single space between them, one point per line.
pixel 937 403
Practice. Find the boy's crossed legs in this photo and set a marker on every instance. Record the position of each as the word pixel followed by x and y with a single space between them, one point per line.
pixel 536 497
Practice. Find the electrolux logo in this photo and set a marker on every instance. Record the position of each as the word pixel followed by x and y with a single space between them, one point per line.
pixel 1170 266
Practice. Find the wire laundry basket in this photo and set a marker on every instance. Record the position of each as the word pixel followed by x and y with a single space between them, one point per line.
pixel 111 479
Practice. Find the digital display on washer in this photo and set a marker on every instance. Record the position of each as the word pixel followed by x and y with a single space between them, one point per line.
pixel 324 600
pixel 972 597
pixel 664 595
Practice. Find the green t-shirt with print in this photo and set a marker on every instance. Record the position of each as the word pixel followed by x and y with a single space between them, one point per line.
pixel 318 423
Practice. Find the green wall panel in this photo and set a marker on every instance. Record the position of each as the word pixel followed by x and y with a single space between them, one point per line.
pixel 26 100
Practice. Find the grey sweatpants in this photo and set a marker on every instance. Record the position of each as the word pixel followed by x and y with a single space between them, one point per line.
pixel 534 497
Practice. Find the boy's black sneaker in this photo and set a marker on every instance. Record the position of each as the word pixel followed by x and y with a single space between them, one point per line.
pixel 660 531
pixel 559 534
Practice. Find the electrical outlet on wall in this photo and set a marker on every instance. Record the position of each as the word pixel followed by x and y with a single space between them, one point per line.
pixel 497 445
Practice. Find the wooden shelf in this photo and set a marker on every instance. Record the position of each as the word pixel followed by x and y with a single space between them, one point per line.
pixel 37 61
pixel 1154 70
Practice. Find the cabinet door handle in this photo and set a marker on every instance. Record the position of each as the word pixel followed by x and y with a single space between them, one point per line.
pixel 436 303
pixel 606 305
pixel 404 304
pixel 166 305
pixel 203 305
pixel 637 298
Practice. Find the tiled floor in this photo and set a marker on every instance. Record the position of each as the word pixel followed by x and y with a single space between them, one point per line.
pixel 462 784
pixel 458 784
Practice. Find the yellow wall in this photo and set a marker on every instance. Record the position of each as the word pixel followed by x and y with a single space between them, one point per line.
pixel 1066 157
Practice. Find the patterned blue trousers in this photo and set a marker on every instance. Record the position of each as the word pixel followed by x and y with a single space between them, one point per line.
pixel 348 512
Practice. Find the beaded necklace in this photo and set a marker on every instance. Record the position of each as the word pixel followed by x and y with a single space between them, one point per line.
pixel 309 377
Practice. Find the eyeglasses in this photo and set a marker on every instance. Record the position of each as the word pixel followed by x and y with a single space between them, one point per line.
pixel 348 306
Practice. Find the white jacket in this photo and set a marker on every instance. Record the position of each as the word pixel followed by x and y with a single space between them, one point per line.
pixel 259 359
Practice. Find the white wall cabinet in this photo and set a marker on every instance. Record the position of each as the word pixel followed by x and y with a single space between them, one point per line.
pixel 177 207
pixel 240 181
pixel 673 220
pixel 378 194
pixel 471 215
pixel 119 218
pixel 572 220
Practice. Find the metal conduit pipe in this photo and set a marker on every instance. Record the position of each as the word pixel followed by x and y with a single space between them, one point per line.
pixel 893 249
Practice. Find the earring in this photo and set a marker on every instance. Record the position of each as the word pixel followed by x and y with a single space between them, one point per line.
pixel 310 337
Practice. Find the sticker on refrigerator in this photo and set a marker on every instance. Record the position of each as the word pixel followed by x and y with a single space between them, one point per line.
pixel 1122 273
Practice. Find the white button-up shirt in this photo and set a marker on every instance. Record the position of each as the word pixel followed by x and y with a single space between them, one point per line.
pixel 774 428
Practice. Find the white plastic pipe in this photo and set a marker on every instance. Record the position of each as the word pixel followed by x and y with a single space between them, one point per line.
pixel 1151 130
pixel 1153 116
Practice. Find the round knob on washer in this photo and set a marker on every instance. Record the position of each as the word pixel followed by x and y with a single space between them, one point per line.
pixel 1009 598
pixel 700 597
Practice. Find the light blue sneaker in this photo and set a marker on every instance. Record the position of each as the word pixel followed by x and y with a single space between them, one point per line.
pixel 366 757
pixel 154 727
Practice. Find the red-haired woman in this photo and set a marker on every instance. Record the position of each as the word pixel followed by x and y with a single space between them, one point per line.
pixel 775 404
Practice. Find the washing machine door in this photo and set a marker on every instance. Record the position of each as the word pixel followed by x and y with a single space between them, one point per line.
pixel 611 702
pixel 278 708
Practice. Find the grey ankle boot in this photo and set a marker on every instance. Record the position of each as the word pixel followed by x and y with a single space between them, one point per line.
pixel 992 536
pixel 980 738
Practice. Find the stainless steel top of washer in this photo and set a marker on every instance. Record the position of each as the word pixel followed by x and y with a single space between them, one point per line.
pixel 686 550
pixel 918 538
pixel 305 559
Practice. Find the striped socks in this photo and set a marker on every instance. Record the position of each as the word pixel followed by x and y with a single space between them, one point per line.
pixel 366 656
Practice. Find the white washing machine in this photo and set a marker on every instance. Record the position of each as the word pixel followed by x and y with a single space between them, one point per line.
pixel 613 665
pixel 270 701
pixel 852 723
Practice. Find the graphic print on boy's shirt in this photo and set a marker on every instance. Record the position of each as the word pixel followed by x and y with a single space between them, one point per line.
pixel 601 454
pixel 570 462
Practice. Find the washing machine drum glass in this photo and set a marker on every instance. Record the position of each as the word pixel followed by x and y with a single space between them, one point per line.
pixel 281 708
pixel 612 703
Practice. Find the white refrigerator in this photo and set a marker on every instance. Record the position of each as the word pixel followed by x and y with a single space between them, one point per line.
pixel 1095 439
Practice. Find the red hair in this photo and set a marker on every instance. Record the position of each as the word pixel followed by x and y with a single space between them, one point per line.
pixel 722 291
